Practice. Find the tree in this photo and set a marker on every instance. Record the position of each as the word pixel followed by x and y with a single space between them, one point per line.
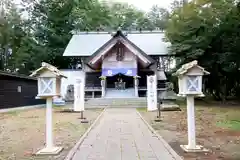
pixel 159 16
pixel 40 30
pixel 128 17
pixel 11 34
pixel 49 30
pixel 197 30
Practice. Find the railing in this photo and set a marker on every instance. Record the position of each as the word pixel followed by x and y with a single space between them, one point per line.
pixel 145 88
pixel 93 88
pixel 161 85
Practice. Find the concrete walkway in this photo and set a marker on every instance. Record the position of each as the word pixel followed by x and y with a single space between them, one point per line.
pixel 122 135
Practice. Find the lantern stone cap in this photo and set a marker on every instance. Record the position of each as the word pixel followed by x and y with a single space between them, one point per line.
pixel 186 67
pixel 51 68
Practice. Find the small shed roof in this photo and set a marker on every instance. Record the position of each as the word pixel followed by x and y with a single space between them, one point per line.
pixel 4 73
pixel 48 67
pixel 87 43
pixel 185 68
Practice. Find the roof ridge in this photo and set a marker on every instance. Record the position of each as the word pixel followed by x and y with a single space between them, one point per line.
pixel 110 32
pixel 145 31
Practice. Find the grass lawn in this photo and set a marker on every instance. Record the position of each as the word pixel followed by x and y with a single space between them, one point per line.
pixel 217 128
pixel 22 133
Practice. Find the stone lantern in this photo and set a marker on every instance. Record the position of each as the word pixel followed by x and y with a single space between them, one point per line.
pixel 49 85
pixel 190 79
pixel 190 86
pixel 49 81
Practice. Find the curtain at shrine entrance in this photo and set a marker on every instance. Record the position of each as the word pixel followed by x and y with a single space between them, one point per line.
pixel 109 72
pixel 127 68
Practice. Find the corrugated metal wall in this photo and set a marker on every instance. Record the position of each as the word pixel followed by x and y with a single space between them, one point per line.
pixel 16 92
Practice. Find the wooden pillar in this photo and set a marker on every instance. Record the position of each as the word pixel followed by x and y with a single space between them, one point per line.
pixel 136 86
pixel 103 84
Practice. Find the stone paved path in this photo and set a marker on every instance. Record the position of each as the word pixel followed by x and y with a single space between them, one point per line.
pixel 121 135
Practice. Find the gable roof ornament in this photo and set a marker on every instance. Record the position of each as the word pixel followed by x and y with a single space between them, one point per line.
pixel 119 31
pixel 186 67
pixel 119 28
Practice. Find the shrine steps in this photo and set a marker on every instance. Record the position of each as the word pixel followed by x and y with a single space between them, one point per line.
pixel 140 102
pixel 127 93
pixel 116 102
pixel 126 98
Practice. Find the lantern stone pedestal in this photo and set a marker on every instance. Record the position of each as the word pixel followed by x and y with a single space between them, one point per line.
pixel 190 85
pixel 50 149
pixel 197 148
pixel 191 147
pixel 49 86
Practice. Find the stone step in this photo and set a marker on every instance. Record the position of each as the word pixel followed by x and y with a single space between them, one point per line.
pixel 116 101
pixel 113 93
pixel 127 102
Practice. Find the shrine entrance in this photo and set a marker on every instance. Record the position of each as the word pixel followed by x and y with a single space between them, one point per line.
pixel 120 82
pixel 120 86
pixel 119 61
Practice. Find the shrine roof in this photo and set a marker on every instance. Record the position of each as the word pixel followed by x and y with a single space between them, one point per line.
pixel 87 43
pixel 119 37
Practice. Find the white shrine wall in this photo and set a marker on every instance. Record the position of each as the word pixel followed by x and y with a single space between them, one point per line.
pixel 71 80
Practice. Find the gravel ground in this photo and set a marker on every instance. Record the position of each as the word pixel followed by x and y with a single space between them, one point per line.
pixel 212 130
pixel 22 133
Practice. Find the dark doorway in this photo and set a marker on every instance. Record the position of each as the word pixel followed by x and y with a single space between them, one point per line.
pixel 127 79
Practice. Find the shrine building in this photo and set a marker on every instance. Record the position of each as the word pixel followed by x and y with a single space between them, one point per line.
pixel 117 64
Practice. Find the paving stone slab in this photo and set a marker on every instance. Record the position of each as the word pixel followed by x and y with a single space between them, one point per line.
pixel 122 135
